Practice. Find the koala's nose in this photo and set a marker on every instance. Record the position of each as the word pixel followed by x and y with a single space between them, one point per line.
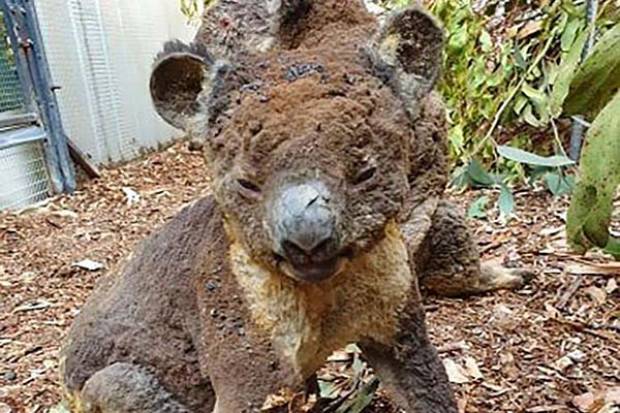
pixel 305 224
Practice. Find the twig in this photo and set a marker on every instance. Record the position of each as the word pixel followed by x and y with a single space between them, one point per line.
pixel 556 135
pixel 450 347
pixel 585 329
pixel 570 291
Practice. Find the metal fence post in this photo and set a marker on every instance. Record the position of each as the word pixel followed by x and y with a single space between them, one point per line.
pixel 24 33
pixel 578 128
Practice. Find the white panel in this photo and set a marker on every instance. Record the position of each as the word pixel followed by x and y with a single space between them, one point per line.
pixel 65 56
pixel 101 52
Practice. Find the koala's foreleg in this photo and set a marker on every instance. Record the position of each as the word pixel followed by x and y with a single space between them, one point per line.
pixel 125 388
pixel 410 369
pixel 449 261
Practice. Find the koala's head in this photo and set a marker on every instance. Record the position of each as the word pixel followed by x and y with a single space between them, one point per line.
pixel 309 150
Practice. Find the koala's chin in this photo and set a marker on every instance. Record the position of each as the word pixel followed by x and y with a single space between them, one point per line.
pixel 315 273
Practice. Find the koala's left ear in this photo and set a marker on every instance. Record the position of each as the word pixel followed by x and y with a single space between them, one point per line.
pixel 180 74
pixel 411 42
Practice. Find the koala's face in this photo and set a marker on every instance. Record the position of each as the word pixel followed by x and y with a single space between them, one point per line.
pixel 309 170
pixel 308 151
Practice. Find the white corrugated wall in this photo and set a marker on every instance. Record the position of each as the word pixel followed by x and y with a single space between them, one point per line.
pixel 100 54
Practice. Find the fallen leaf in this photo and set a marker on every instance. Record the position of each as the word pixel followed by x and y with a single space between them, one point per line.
pixel 563 363
pixel 580 268
pixel 456 373
pixel 597 294
pixel 89 265
pixel 131 195
pixel 577 356
pixel 32 306
pixel 462 404
pixel 59 408
pixel 597 402
pixel 530 28
pixel 551 408
pixel 65 213
pixel 612 285
pixel 282 398
pixel 471 366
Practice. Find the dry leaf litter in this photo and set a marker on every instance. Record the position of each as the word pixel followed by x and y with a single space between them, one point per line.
pixel 553 346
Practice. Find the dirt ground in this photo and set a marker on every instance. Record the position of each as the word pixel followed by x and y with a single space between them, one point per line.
pixel 553 346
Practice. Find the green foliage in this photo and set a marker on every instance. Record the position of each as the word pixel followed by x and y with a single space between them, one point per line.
pixel 529 158
pixel 591 208
pixel 477 72
pixel 598 79
pixel 499 76
pixel 189 8
pixel 477 209
pixel 474 175
pixel 506 79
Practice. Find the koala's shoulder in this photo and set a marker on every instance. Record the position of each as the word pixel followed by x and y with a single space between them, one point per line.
pixel 146 315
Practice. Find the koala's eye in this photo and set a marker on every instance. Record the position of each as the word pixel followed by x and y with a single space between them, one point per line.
pixel 248 186
pixel 365 175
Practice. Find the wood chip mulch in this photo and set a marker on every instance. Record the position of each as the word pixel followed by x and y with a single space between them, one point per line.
pixel 553 346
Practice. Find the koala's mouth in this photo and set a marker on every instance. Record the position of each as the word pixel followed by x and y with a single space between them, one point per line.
pixel 314 272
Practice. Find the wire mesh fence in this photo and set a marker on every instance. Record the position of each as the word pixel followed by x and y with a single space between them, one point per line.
pixel 11 95
pixel 24 175
pixel 24 178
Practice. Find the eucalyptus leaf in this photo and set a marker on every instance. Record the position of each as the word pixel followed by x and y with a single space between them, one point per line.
pixel 459 39
pixel 478 208
pixel 521 156
pixel 362 398
pixel 460 177
pixel 559 184
pixel 569 34
pixel 520 102
pixel 530 118
pixel 486 44
pixel 520 58
pixel 506 201
pixel 328 390
pixel 478 175
pixel 565 75
pixel 589 214
pixel 536 96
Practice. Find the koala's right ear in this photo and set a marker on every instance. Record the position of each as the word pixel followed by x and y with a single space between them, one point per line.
pixel 180 74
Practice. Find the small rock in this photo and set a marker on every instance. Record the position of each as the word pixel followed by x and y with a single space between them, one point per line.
pixel 577 356
pixel 9 375
pixel 195 145
pixel 563 363
pixel 211 286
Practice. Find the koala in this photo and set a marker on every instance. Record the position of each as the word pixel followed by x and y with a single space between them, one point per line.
pixel 326 148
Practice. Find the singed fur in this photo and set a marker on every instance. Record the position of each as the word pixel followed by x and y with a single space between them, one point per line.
pixel 204 318
pixel 309 322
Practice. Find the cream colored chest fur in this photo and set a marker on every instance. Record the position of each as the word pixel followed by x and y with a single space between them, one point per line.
pixel 307 322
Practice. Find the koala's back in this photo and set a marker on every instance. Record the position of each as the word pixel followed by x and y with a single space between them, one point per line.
pixel 148 316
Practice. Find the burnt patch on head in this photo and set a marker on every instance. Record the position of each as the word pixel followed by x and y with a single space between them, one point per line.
pixel 301 70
